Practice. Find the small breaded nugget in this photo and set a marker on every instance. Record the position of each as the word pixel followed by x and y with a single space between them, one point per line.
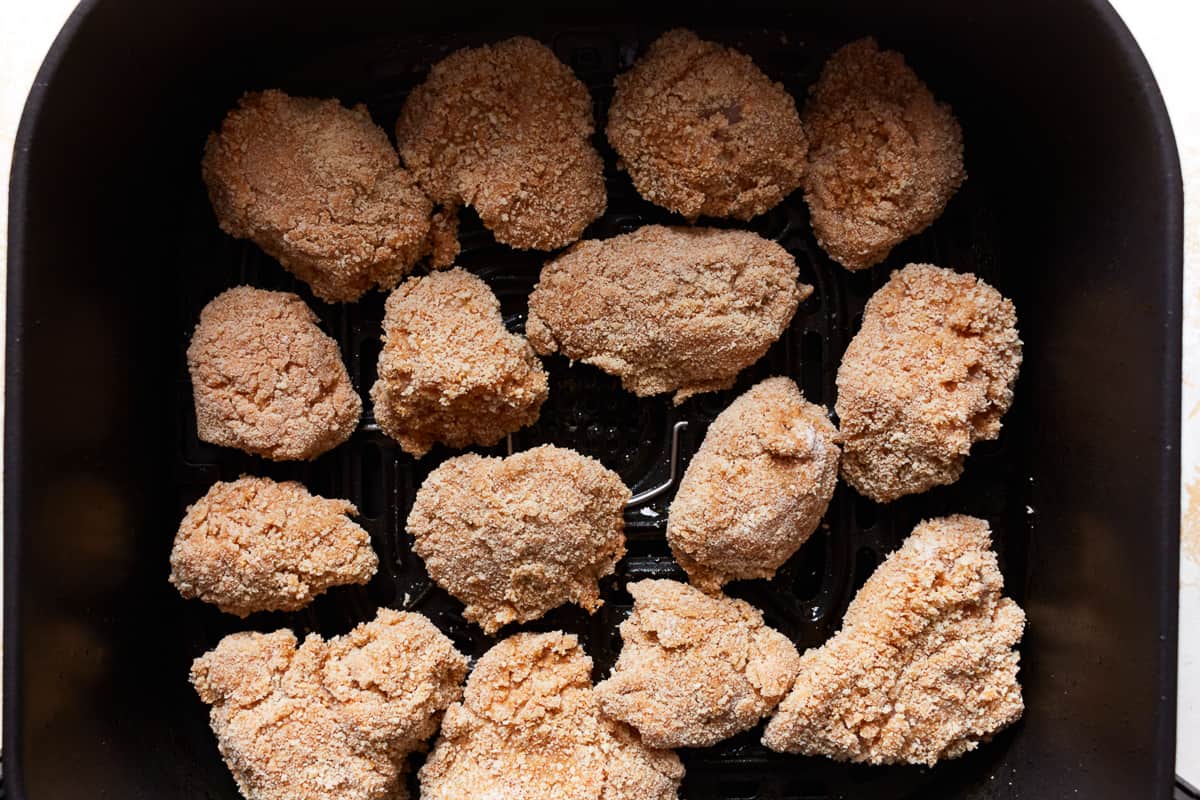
pixel 330 720
pixel 930 372
pixel 515 537
pixel 528 728
pixel 319 187
pixel 506 129
pixel 757 487
pixel 702 131
pixel 695 669
pixel 257 545
pixel 884 157
pixel 449 371
pixel 923 668
pixel 679 310
pixel 267 380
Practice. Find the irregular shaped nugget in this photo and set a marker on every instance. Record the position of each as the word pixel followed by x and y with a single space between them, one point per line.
pixel 930 372
pixel 529 728
pixel 515 537
pixel 702 131
pixel 757 487
pixel 330 719
pixel 449 371
pixel 923 668
pixel 319 187
pixel 267 380
pixel 884 156
pixel 679 310
pixel 256 545
pixel 694 668
pixel 506 129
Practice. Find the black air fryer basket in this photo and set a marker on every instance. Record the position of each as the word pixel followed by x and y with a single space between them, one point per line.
pixel 1072 208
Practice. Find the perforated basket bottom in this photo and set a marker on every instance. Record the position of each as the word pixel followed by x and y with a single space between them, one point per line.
pixel 588 411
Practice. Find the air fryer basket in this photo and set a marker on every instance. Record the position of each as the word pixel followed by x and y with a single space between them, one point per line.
pixel 1071 209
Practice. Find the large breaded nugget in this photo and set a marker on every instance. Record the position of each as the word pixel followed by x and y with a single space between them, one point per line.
pixel 266 379
pixel 666 309
pixel 506 129
pixel 930 373
pixel 702 131
pixel 449 371
pixel 884 156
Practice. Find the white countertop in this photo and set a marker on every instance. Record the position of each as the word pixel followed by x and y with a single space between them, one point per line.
pixel 1166 31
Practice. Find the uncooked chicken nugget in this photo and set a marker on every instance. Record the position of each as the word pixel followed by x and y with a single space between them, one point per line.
pixel 329 720
pixel 506 129
pixel 665 309
pixel 515 537
pixel 757 487
pixel 267 380
pixel 884 157
pixel 319 187
pixel 702 131
pixel 923 668
pixel 930 372
pixel 528 728
pixel 449 371
pixel 694 668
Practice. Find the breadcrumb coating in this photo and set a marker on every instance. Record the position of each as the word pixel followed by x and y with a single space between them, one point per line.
pixel 529 728
pixel 702 131
pixel 666 309
pixel 923 668
pixel 256 545
pixel 506 129
pixel 884 157
pixel 515 537
pixel 695 669
pixel 757 487
pixel 267 380
pixel 449 371
pixel 329 720
pixel 319 187
pixel 930 372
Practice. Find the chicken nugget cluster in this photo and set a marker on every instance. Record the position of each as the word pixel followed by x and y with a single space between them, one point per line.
pixel 695 669
pixel 515 537
pixel 930 372
pixel 330 718
pixel 506 129
pixel 529 728
pixel 267 380
pixel 923 668
pixel 449 371
pixel 702 131
pixel 319 187
pixel 757 487
pixel 666 309
pixel 884 156
pixel 256 545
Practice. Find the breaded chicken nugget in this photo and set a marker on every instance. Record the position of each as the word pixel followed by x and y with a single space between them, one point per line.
pixel 679 310
pixel 515 537
pixel 930 372
pixel 257 545
pixel 449 371
pixel 757 487
pixel 923 668
pixel 528 728
pixel 267 380
pixel 330 720
pixel 320 189
pixel 694 668
pixel 884 157
pixel 506 129
pixel 702 131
